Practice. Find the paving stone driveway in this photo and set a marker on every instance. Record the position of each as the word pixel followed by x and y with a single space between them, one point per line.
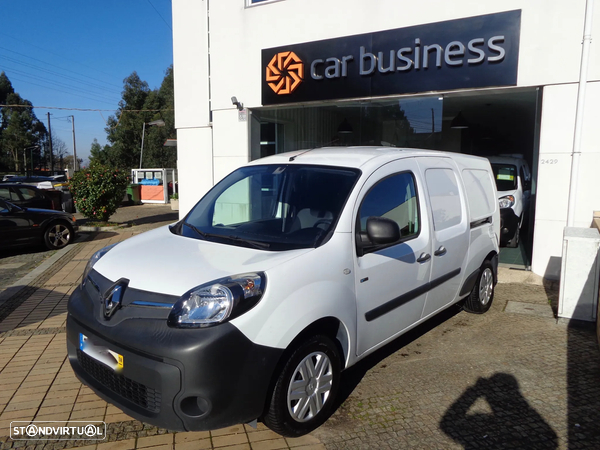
pixel 493 381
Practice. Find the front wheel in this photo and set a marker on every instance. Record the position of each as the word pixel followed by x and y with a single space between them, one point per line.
pixel 304 392
pixel 58 235
pixel 481 297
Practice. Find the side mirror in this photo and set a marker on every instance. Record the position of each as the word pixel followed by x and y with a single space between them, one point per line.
pixel 382 231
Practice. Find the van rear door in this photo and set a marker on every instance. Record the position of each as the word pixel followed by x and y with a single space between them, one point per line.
pixel 450 230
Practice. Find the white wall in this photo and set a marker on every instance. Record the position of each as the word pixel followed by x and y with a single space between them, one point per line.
pixel 550 52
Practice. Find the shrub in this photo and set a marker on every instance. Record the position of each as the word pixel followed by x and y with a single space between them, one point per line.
pixel 98 191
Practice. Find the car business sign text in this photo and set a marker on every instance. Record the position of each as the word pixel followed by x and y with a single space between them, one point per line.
pixel 473 52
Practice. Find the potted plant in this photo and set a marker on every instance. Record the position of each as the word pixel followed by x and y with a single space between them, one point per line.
pixel 174 201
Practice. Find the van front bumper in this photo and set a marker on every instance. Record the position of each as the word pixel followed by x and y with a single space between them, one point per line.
pixel 179 379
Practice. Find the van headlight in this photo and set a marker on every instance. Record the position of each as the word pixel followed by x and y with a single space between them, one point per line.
pixel 93 260
pixel 506 202
pixel 218 301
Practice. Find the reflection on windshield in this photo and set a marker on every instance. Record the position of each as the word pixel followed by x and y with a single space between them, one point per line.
pixel 281 207
pixel 505 176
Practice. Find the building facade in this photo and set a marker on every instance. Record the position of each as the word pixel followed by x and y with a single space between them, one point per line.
pixel 254 78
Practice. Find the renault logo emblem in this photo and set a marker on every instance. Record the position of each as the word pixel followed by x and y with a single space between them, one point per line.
pixel 285 72
pixel 112 299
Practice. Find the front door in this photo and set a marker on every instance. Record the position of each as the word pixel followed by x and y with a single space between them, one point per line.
pixel 391 281
pixel 450 230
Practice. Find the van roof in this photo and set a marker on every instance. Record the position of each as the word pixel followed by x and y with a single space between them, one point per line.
pixel 355 157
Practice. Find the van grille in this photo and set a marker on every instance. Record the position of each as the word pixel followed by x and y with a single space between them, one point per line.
pixel 144 396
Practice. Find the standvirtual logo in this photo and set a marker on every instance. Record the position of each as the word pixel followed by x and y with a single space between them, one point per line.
pixel 285 72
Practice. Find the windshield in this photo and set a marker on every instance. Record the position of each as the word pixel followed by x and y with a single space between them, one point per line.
pixel 273 207
pixel 505 176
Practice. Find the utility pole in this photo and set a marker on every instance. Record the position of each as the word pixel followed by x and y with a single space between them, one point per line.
pixel 50 142
pixel 75 162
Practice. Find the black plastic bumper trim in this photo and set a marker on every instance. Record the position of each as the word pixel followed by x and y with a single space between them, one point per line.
pixel 405 298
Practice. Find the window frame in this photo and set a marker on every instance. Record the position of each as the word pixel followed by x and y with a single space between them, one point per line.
pixel 251 4
pixel 363 247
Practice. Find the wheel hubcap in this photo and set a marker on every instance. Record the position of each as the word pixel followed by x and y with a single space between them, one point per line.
pixel 486 286
pixel 59 236
pixel 310 387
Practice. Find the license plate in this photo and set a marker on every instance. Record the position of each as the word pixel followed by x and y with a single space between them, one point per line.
pixel 100 353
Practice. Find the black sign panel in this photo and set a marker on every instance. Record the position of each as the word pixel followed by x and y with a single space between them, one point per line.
pixel 475 52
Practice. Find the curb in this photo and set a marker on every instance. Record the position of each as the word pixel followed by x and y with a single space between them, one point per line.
pixel 16 287
pixel 115 227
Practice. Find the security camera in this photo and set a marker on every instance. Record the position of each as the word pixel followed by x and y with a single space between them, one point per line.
pixel 239 105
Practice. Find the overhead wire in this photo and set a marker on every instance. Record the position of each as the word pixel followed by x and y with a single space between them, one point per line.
pixel 160 15
pixel 101 97
pixel 64 92
pixel 61 56
pixel 51 72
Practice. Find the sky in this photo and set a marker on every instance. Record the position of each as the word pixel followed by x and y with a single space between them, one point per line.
pixel 75 54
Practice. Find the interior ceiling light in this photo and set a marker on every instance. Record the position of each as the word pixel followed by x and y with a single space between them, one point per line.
pixel 459 122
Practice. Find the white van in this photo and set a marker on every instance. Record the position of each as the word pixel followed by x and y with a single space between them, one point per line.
pixel 290 270
pixel 513 182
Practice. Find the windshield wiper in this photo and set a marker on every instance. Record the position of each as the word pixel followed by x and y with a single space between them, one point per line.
pixel 255 244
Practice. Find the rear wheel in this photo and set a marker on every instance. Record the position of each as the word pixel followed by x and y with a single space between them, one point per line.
pixel 58 235
pixel 481 297
pixel 303 396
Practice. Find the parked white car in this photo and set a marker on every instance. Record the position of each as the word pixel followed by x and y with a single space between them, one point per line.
pixel 513 182
pixel 290 270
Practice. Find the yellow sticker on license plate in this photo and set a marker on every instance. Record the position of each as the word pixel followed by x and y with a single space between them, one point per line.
pixel 100 353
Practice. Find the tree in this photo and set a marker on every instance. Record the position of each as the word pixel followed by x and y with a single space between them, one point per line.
pixel 164 99
pixel 124 130
pixel 19 127
pixel 22 128
pixel 98 154
pixel 67 162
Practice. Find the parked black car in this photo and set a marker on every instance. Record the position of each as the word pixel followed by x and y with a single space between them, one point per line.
pixel 28 196
pixel 30 226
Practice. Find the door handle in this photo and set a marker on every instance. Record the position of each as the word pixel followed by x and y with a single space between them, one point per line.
pixel 440 251
pixel 424 257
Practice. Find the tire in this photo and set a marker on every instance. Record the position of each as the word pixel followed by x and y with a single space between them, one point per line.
pixel 481 297
pixel 295 412
pixel 58 235
pixel 514 242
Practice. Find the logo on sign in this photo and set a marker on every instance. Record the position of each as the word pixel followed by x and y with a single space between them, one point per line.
pixel 285 72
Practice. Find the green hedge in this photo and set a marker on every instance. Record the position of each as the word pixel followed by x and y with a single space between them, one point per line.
pixel 98 191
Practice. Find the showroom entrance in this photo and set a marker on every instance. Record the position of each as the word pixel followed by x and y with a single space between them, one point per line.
pixel 483 123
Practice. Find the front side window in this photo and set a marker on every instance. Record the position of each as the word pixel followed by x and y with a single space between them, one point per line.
pixel 273 207
pixel 505 176
pixel 393 198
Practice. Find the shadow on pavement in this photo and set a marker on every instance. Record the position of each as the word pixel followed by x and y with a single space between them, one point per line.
pixel 583 367
pixel 352 376
pixel 509 424
pixel 168 217
pixel 6 253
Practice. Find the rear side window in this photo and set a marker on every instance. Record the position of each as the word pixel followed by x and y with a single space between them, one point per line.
pixel 480 193
pixel 7 194
pixel 394 198
pixel 444 197
pixel 27 193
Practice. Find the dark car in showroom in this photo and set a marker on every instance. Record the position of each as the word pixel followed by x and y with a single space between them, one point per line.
pixel 28 196
pixel 31 226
